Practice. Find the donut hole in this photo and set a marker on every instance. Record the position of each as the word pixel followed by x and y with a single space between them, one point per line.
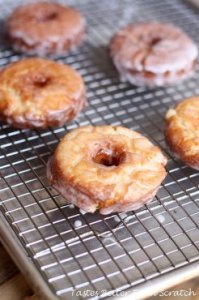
pixel 109 157
pixel 155 41
pixel 48 16
pixel 41 81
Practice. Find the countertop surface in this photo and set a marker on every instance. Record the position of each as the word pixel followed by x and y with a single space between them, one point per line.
pixel 13 285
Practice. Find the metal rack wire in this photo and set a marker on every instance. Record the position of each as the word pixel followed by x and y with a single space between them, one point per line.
pixel 113 252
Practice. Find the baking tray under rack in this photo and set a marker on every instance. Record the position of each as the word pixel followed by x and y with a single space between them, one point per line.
pixel 140 252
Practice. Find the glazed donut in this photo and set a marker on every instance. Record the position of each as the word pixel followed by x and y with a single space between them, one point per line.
pixel 45 28
pixel 153 54
pixel 182 131
pixel 112 169
pixel 37 93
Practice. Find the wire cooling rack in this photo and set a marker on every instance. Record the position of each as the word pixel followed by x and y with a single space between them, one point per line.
pixel 139 252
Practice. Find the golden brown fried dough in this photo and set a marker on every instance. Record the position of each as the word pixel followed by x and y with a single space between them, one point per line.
pixel 113 169
pixel 44 28
pixel 37 93
pixel 182 131
pixel 153 54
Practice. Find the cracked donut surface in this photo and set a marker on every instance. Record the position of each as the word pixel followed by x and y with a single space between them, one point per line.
pixel 182 131
pixel 37 93
pixel 153 54
pixel 44 28
pixel 106 168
